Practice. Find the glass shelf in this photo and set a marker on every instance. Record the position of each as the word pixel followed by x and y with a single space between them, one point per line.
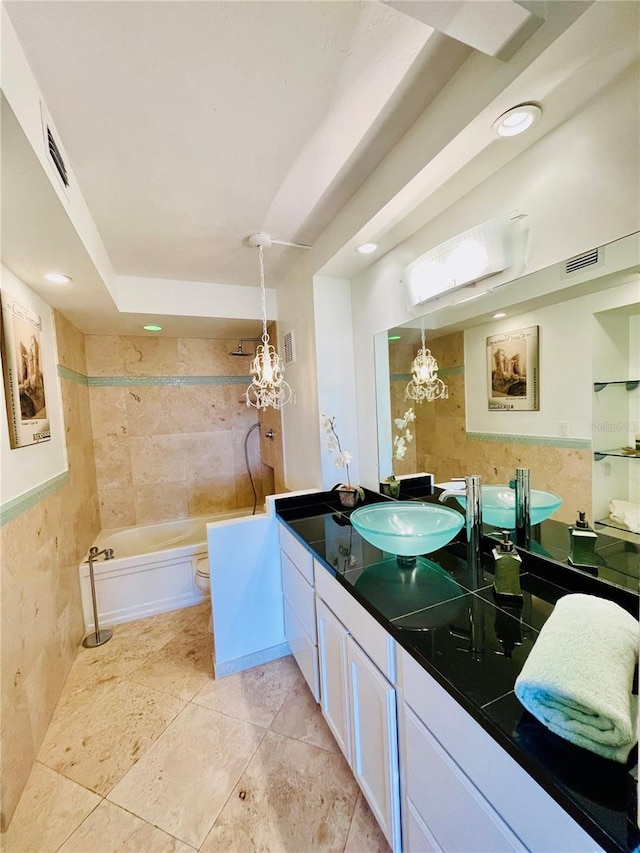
pixel 614 524
pixel 631 384
pixel 600 454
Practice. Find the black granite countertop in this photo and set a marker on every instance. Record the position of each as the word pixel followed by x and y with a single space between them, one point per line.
pixel 446 617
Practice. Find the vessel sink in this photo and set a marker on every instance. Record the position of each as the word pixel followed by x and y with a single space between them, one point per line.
pixel 499 506
pixel 407 528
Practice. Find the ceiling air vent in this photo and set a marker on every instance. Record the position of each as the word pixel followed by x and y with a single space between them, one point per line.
pixel 54 151
pixel 289 348
pixel 587 259
pixel 56 157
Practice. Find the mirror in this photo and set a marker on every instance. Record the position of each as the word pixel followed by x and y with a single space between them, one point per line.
pixel 580 443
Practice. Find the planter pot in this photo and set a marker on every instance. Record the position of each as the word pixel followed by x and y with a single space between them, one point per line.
pixel 348 496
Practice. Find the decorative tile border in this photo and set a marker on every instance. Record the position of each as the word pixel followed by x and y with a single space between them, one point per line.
pixel 72 375
pixel 538 440
pixel 13 508
pixel 442 372
pixel 119 381
pixel 113 381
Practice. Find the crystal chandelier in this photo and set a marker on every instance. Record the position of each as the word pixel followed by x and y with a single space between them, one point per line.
pixel 268 387
pixel 425 384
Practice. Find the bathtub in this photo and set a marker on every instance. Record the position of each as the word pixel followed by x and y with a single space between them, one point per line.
pixel 152 570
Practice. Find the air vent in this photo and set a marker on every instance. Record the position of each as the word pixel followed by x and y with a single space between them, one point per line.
pixel 54 151
pixel 588 259
pixel 56 157
pixel 289 348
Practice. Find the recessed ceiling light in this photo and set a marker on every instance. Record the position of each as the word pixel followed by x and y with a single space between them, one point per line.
pixel 152 328
pixel 517 120
pixel 499 315
pixel 57 278
pixel 367 248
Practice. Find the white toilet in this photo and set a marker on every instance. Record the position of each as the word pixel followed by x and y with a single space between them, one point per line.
pixel 202 580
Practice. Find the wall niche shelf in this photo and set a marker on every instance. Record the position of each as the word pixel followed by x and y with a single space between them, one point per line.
pixel 630 384
pixel 601 454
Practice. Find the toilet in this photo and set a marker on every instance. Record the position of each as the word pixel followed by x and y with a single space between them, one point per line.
pixel 202 580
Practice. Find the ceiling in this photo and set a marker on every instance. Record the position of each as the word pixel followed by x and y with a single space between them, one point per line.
pixel 190 125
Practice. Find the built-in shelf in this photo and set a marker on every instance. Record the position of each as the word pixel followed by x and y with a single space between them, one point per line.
pixel 630 384
pixel 600 454
pixel 614 524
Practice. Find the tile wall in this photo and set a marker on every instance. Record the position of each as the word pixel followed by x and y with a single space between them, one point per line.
pixel 444 448
pixel 42 547
pixel 169 426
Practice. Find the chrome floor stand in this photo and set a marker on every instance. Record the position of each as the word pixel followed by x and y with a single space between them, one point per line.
pixel 97 637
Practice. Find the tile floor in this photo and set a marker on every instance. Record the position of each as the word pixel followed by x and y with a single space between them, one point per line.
pixel 147 753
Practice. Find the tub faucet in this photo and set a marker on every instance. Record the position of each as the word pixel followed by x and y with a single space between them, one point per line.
pixel 473 515
pixel 522 485
pixel 94 553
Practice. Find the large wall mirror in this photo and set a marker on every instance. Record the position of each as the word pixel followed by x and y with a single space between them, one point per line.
pixel 580 442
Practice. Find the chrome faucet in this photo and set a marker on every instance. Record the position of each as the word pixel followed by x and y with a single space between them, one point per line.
pixel 522 485
pixel 473 515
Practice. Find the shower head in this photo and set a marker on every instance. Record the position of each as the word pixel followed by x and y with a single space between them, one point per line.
pixel 240 342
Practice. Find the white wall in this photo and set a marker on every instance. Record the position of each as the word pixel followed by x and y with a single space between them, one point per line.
pixel 300 419
pixel 336 361
pixel 24 468
pixel 579 188
pixel 566 341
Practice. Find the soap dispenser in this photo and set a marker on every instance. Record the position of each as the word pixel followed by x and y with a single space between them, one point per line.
pixel 507 562
pixel 582 552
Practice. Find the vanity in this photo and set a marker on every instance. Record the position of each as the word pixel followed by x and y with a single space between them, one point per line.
pixel 414 671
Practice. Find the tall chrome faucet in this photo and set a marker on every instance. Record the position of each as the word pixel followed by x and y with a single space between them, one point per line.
pixel 522 485
pixel 473 492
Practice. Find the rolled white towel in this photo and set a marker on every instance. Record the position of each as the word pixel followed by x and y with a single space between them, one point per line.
pixel 578 677
pixel 627 512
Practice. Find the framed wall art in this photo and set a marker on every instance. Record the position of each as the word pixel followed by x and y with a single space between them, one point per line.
pixel 513 371
pixel 23 373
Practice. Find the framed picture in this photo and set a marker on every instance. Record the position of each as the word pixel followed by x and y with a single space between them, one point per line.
pixel 23 374
pixel 512 371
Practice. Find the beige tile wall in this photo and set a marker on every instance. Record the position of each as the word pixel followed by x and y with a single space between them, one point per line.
pixel 41 624
pixel 171 451
pixel 443 448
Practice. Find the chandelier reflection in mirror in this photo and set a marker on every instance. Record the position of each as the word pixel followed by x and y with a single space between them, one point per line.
pixel 425 384
pixel 268 389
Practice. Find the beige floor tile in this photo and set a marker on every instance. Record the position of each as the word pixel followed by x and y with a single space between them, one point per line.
pixel 181 667
pixel 292 797
pixel 132 643
pixel 110 829
pixel 254 695
pixel 184 779
pixel 50 809
pixel 364 832
pixel 96 735
pixel 300 717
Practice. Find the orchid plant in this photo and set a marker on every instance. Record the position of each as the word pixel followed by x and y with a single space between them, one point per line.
pixel 333 446
pixel 404 436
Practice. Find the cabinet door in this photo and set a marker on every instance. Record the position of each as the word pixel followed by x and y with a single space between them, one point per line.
pixel 374 734
pixel 303 650
pixel 447 804
pixel 334 688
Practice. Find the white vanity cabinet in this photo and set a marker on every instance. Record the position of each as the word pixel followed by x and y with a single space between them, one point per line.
pixel 357 699
pixel 461 792
pixel 299 607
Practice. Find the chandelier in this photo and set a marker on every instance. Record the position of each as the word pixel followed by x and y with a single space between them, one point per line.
pixel 425 384
pixel 268 388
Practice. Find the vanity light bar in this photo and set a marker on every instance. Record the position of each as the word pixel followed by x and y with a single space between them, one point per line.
pixel 468 257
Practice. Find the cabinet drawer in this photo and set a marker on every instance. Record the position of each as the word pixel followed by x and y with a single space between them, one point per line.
pixel 303 650
pixel 297 553
pixel 453 810
pixel 300 596
pixel 501 779
pixel 368 633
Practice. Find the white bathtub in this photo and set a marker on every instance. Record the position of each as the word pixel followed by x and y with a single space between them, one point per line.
pixel 152 569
